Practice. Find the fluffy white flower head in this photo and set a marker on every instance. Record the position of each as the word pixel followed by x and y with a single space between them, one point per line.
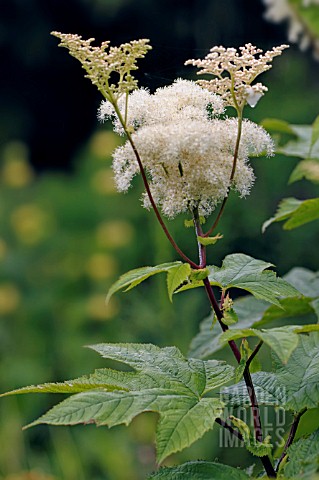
pixel 187 153
pixel 183 100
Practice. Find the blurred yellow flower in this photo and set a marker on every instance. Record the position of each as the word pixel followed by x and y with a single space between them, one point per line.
pixel 103 182
pixel 101 266
pixel 16 171
pixel 115 234
pixel 34 475
pixel 98 310
pixel 9 298
pixel 103 143
pixel 31 223
pixel 3 249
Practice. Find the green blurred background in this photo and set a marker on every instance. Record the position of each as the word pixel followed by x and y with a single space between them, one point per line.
pixel 66 234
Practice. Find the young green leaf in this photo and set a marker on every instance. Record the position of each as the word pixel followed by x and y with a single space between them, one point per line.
pixel 230 317
pixel 294 386
pixel 199 274
pixel 162 381
pixel 176 277
pixel 260 449
pixel 303 457
pixel 295 212
pixel 209 240
pixel 285 208
pixel 200 471
pixel 245 352
pixel 134 277
pixel 282 340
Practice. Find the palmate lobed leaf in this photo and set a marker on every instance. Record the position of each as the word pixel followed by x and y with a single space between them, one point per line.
pixel 254 313
pixel 200 471
pixel 294 386
pixel 162 381
pixel 247 273
pixel 282 340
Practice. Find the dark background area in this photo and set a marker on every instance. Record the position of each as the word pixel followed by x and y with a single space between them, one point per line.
pixel 47 103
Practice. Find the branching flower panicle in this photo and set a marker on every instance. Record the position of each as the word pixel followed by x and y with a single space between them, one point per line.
pixel 101 62
pixel 235 72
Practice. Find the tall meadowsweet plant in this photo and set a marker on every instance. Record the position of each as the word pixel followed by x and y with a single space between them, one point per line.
pixel 190 155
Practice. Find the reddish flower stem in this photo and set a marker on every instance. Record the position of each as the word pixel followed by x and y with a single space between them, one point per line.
pixel 247 377
pixel 291 436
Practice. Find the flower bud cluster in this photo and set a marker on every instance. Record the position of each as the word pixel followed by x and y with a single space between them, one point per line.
pixel 235 72
pixel 101 62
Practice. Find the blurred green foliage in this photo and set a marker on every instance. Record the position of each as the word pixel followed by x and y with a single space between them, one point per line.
pixel 63 241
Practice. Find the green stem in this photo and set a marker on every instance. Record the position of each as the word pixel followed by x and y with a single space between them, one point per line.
pixel 233 171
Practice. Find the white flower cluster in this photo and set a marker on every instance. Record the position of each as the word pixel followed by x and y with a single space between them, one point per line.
pixel 298 31
pixel 186 152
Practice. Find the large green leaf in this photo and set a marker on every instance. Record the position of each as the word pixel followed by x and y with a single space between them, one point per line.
pixel 255 313
pixel 282 340
pixel 295 212
pixel 294 386
pixel 134 277
pixel 161 380
pixel 247 273
pixel 303 457
pixel 200 471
